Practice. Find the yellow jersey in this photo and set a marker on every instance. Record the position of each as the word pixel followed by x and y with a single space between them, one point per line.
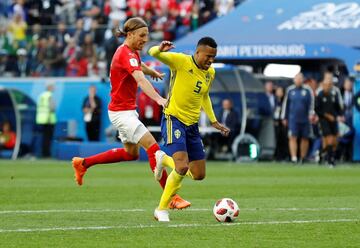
pixel 189 87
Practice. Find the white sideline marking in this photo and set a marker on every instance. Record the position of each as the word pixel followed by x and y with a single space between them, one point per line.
pixel 280 209
pixel 45 211
pixel 68 211
pixel 314 209
pixel 140 226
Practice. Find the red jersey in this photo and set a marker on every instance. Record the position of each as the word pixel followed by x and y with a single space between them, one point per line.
pixel 123 85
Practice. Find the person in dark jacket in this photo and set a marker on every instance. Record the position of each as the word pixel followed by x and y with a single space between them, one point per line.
pixel 230 118
pixel 329 108
pixel 92 114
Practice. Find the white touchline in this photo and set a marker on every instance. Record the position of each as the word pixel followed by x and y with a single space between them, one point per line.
pixel 161 225
pixel 45 211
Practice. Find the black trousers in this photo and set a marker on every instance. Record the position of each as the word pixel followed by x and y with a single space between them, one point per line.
pixel 93 130
pixel 47 131
pixel 282 149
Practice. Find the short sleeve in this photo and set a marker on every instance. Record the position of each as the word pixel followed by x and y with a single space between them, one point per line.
pixel 131 62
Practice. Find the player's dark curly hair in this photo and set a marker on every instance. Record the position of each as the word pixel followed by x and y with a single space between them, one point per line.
pixel 131 25
pixel 207 41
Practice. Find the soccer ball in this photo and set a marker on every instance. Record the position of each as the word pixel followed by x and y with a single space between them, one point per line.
pixel 226 210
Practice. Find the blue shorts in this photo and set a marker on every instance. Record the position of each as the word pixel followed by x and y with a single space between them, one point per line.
pixel 179 137
pixel 299 130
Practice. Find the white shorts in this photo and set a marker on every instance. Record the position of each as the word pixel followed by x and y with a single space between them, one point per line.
pixel 127 122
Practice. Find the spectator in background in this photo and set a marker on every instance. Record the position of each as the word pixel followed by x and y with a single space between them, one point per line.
pixel 23 64
pixel 139 7
pixel 46 118
pixel 173 21
pixel 5 70
pixel 77 66
pixel 207 10
pixel 17 27
pixel 269 91
pixel 89 48
pixel 7 137
pixel 62 36
pixel 111 45
pixel 348 97
pixel 280 130
pixel 79 32
pixel 312 84
pixel 68 12
pixel 329 108
pixel 46 10
pixel 195 17
pixel 92 114
pixel 116 10
pixel 229 118
pixel 167 19
pixel 19 7
pixel 38 56
pixel 97 34
pixel 223 7
pixel 345 146
pixel 297 113
pixel 5 42
pixel 88 10
pixel 53 59
pixel 70 50
pixel 35 35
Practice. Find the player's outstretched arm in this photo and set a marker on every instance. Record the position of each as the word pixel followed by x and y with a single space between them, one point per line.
pixel 173 60
pixel 147 87
pixel 166 46
pixel 151 72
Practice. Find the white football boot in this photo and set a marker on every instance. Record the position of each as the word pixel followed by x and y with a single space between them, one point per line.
pixel 159 155
pixel 161 215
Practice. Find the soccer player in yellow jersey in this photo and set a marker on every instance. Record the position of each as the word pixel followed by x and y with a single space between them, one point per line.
pixel 190 83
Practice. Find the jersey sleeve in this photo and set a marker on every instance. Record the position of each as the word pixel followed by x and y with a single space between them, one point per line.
pixel 207 105
pixel 131 62
pixel 173 60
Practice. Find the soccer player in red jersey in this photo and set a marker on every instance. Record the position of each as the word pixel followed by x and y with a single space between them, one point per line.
pixel 126 74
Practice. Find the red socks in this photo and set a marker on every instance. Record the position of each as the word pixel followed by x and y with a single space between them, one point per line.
pixel 110 156
pixel 119 154
pixel 152 161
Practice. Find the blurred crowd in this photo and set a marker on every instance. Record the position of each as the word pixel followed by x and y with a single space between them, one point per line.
pixel 75 38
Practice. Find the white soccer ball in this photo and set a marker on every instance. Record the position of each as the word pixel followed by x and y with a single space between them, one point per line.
pixel 226 210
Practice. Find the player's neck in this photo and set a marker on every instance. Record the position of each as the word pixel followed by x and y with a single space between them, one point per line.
pixel 128 44
pixel 196 63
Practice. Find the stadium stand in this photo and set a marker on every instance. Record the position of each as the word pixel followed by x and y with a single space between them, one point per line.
pixel 73 38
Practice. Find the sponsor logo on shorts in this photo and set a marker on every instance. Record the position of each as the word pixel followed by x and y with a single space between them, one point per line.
pixel 177 133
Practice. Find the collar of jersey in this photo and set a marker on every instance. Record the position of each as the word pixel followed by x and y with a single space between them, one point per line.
pixel 195 62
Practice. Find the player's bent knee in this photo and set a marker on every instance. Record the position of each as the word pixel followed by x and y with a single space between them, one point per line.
pixel 182 170
pixel 199 177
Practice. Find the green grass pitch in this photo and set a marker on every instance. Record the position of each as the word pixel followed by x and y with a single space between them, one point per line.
pixel 281 206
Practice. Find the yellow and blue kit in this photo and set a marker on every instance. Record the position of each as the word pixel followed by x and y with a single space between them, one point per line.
pixel 188 93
